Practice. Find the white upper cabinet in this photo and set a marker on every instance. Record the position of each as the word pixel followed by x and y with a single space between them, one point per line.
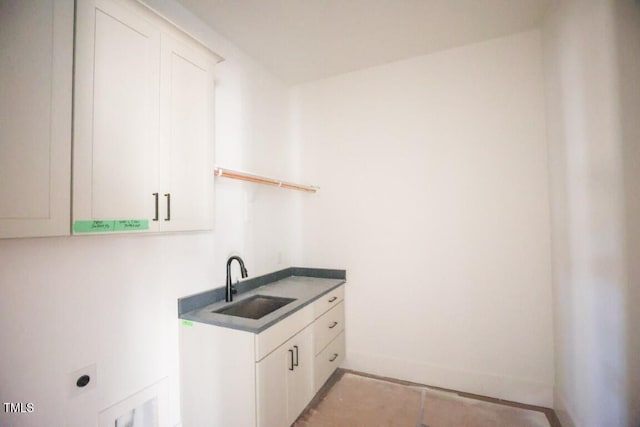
pixel 186 137
pixel 36 59
pixel 116 117
pixel 143 135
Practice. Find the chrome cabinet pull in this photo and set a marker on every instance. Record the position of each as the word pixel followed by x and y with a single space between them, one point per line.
pixel 291 353
pixel 296 362
pixel 168 196
pixel 155 218
pixel 333 299
pixel 333 325
pixel 335 356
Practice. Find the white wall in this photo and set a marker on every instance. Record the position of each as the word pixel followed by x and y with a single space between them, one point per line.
pixel 628 49
pixel 593 100
pixel 66 303
pixel 434 197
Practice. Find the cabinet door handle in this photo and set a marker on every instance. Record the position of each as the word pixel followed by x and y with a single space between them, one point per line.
pixel 335 356
pixel 155 195
pixel 168 196
pixel 291 353
pixel 333 299
pixel 333 325
pixel 296 362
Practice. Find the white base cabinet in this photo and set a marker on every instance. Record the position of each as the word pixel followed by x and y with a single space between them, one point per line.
pixel 237 378
pixel 285 381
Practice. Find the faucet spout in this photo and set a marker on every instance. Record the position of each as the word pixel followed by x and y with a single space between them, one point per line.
pixel 230 289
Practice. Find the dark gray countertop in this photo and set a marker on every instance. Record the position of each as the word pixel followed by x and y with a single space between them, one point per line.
pixel 305 285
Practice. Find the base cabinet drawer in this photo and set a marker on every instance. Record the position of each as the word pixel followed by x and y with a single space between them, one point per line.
pixel 327 327
pixel 328 301
pixel 328 360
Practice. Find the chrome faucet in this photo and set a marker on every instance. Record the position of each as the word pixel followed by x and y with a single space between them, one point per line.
pixel 230 288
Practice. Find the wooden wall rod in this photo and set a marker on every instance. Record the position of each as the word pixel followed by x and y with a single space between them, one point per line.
pixel 244 176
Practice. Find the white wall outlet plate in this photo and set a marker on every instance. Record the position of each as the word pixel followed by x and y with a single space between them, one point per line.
pixel 82 380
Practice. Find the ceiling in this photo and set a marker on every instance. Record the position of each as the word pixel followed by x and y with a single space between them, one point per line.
pixel 305 40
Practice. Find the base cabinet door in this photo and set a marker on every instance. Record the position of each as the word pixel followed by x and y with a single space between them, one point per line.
pixel 300 379
pixel 271 378
pixel 285 381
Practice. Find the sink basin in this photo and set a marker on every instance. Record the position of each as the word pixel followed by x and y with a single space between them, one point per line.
pixel 255 307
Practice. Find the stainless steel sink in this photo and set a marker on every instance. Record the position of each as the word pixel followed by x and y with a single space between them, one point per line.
pixel 255 307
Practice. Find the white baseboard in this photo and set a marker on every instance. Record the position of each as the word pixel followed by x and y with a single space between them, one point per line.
pixel 562 411
pixel 499 387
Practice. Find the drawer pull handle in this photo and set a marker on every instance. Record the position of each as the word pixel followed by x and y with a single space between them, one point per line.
pixel 296 362
pixel 333 299
pixel 335 356
pixel 291 353
pixel 333 325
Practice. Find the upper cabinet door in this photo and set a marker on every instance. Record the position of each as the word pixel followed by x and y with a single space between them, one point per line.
pixel 36 57
pixel 187 136
pixel 116 137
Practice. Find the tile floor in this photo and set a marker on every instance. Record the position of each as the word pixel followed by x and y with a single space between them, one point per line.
pixel 352 399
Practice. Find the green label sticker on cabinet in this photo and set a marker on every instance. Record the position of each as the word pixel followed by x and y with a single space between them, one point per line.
pixel 187 323
pixel 110 226
pixel 132 224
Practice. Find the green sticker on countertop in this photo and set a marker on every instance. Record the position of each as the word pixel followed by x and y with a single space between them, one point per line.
pixel 106 226
pixel 187 323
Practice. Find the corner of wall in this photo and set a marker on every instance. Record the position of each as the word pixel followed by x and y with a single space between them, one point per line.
pixel 562 411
